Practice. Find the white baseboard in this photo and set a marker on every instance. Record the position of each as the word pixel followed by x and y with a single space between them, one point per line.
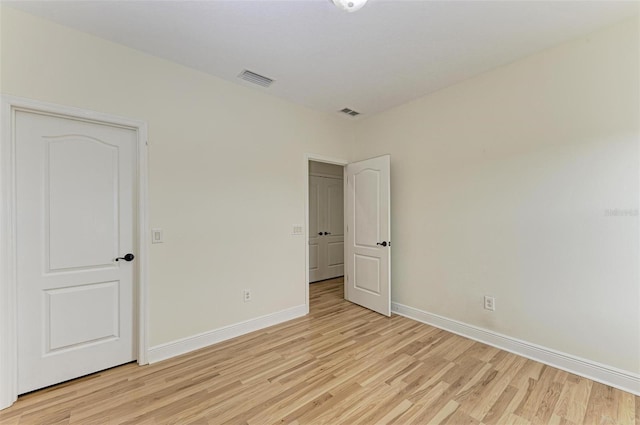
pixel 195 342
pixel 626 381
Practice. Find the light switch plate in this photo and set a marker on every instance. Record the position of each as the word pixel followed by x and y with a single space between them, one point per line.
pixel 157 236
pixel 297 229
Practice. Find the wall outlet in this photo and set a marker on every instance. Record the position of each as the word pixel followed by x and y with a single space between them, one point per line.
pixel 489 303
pixel 246 295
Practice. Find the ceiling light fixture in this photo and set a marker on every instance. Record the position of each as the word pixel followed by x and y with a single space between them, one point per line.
pixel 349 5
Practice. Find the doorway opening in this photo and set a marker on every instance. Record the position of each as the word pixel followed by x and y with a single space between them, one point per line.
pixel 326 221
pixel 318 166
pixel 365 228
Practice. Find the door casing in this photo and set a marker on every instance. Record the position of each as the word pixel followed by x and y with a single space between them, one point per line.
pixel 8 194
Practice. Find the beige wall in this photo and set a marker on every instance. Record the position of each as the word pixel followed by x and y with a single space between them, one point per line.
pixel 501 186
pixel 226 170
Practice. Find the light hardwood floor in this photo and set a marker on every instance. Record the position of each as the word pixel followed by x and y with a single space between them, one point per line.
pixel 341 364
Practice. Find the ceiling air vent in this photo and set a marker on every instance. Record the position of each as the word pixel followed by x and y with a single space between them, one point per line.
pixel 254 78
pixel 349 112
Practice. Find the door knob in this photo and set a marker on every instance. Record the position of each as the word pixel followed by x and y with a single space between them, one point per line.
pixel 327 233
pixel 319 233
pixel 383 243
pixel 127 257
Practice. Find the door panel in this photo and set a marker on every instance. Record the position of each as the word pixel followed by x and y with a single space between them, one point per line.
pixel 366 274
pixel 66 311
pixel 335 206
pixel 336 254
pixel 366 188
pixel 368 259
pixel 75 216
pixel 81 217
pixel 313 259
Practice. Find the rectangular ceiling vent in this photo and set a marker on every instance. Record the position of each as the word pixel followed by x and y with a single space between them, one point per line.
pixel 254 78
pixel 349 112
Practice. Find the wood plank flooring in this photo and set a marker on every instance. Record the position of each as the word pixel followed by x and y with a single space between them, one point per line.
pixel 341 364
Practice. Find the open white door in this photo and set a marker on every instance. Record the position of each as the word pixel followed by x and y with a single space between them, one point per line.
pixel 368 229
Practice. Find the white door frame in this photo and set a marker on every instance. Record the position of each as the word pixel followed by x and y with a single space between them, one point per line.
pixel 318 158
pixel 8 282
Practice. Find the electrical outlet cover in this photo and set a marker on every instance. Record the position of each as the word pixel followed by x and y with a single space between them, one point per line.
pixel 489 303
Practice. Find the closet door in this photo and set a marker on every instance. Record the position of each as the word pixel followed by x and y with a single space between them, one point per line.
pixel 326 224
pixel 315 228
pixel 333 241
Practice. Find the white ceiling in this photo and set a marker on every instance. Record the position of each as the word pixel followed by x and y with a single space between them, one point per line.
pixel 388 53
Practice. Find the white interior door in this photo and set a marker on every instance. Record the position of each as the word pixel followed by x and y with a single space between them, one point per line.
pixel 326 228
pixel 75 216
pixel 368 245
pixel 333 233
pixel 315 229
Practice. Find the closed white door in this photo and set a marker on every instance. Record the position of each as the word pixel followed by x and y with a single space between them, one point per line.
pixel 368 244
pixel 75 216
pixel 326 228
pixel 316 268
pixel 333 235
